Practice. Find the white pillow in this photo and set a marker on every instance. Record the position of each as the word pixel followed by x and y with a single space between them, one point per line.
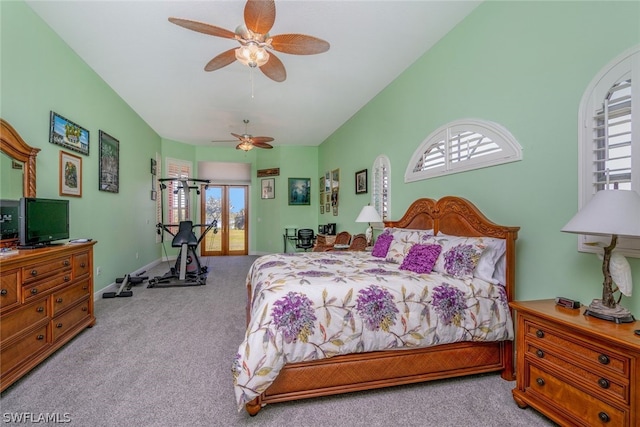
pixel 403 240
pixel 490 250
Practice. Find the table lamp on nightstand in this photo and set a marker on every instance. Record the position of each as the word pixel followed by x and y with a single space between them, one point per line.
pixel 369 214
pixel 609 213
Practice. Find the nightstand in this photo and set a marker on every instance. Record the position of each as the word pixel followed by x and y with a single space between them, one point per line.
pixel 576 369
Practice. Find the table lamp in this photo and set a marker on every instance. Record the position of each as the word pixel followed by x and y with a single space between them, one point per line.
pixel 369 214
pixel 609 213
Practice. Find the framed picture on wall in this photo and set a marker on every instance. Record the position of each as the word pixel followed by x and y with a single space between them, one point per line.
pixel 109 163
pixel 299 191
pixel 361 181
pixel 70 175
pixel 268 186
pixel 67 134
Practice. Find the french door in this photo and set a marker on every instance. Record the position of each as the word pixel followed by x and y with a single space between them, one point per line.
pixel 226 204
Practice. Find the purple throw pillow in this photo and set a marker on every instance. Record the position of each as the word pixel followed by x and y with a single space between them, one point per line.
pixel 381 247
pixel 421 258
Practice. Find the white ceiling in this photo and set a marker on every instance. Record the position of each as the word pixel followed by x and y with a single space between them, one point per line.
pixel 158 67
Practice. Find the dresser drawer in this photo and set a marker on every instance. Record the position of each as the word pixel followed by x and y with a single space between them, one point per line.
pixel 35 272
pixel 69 319
pixel 9 285
pixel 583 406
pixel 11 356
pixel 610 386
pixel 70 295
pixel 24 318
pixel 37 289
pixel 81 265
pixel 582 351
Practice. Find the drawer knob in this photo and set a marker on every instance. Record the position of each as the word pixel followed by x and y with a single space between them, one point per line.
pixel 59 300
pixel 539 333
pixel 603 382
pixel 59 325
pixel 66 263
pixel 85 309
pixel 604 417
pixel 540 353
pixel 34 291
pixel 604 359
pixel 3 292
pixel 67 278
pixel 40 309
pixel 83 265
pixel 540 381
pixel 40 337
pixel 34 273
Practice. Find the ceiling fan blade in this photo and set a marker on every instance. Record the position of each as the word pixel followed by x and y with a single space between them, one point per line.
pixel 299 44
pixel 261 144
pixel 201 27
pixel 222 60
pixel 259 15
pixel 260 139
pixel 240 137
pixel 274 69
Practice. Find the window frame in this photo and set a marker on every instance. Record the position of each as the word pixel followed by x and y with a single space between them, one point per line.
pixel 381 183
pixel 185 170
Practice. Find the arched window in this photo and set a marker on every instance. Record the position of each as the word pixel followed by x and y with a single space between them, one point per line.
pixel 609 138
pixel 460 146
pixel 381 187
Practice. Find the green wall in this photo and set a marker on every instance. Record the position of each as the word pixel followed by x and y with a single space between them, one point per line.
pixel 524 65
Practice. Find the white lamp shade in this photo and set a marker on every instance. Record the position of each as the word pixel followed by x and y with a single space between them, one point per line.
pixel 369 214
pixel 608 212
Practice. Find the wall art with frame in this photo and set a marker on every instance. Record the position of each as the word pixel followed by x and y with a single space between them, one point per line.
pixel 299 191
pixel 268 186
pixel 67 134
pixel 361 181
pixel 70 183
pixel 109 163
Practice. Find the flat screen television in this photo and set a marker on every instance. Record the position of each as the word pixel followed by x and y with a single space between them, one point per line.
pixel 43 221
pixel 9 214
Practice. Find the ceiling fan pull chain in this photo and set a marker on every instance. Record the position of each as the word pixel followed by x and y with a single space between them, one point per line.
pixel 251 78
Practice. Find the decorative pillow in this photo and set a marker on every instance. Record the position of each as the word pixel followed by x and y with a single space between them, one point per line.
pixel 421 258
pixel 381 246
pixel 483 254
pixel 403 240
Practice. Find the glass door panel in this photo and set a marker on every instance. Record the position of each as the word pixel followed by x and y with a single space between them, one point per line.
pixel 226 204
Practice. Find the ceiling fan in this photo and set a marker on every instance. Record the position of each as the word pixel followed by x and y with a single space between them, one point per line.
pixel 254 39
pixel 247 142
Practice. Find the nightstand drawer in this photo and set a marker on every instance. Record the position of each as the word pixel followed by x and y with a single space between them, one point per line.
pixel 606 386
pixel 582 351
pixel 581 405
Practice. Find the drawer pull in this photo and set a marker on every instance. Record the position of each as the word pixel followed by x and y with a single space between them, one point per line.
pixel 67 278
pixel 40 309
pixel 540 353
pixel 540 381
pixel 604 359
pixel 83 265
pixel 34 273
pixel 34 291
pixel 65 263
pixel 604 417
pixel 59 300
pixel 4 292
pixel 40 337
pixel 85 309
pixel 603 382
pixel 59 325
pixel 85 287
pixel 539 333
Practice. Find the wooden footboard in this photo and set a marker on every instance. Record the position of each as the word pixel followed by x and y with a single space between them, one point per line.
pixel 364 371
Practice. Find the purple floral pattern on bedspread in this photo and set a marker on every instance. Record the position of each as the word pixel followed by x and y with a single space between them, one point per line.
pixel 317 305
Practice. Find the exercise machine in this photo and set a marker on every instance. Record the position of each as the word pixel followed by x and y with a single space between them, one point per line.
pixel 188 270
pixel 126 283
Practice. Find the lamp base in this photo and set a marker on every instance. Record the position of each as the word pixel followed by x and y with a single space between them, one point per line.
pixel 617 314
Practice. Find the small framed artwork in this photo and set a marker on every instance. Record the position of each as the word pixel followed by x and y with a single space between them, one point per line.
pixel 154 195
pixel 70 175
pixel 321 209
pixel 109 163
pixel 335 178
pixel 299 191
pixel 67 134
pixel 327 181
pixel 335 210
pixel 268 172
pixel 334 197
pixel 361 181
pixel 154 167
pixel 268 188
pixel 327 207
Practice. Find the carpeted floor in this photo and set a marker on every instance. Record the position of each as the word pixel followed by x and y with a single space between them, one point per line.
pixel 163 357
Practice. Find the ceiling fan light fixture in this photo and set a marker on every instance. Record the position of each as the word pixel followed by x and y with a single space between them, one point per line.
pixel 245 146
pixel 252 55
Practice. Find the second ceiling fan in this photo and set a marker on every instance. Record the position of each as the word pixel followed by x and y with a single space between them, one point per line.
pixel 254 39
pixel 247 142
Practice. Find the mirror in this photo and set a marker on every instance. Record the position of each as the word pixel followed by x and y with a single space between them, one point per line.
pixel 17 167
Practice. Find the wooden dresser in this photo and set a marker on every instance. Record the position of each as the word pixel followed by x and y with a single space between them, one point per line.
pixel 46 298
pixel 576 369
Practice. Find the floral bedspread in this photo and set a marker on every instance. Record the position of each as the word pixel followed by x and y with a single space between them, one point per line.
pixel 315 305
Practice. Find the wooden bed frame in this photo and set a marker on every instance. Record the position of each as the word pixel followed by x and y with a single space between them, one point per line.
pixel 364 371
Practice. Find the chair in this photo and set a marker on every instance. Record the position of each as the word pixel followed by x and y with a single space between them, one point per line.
pixel 358 243
pixel 306 239
pixel 343 238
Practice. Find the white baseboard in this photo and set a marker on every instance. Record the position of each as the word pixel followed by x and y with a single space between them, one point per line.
pixel 113 286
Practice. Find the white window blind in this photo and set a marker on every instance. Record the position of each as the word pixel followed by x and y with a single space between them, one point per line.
pixel 178 206
pixel 609 139
pixel 460 146
pixel 381 188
